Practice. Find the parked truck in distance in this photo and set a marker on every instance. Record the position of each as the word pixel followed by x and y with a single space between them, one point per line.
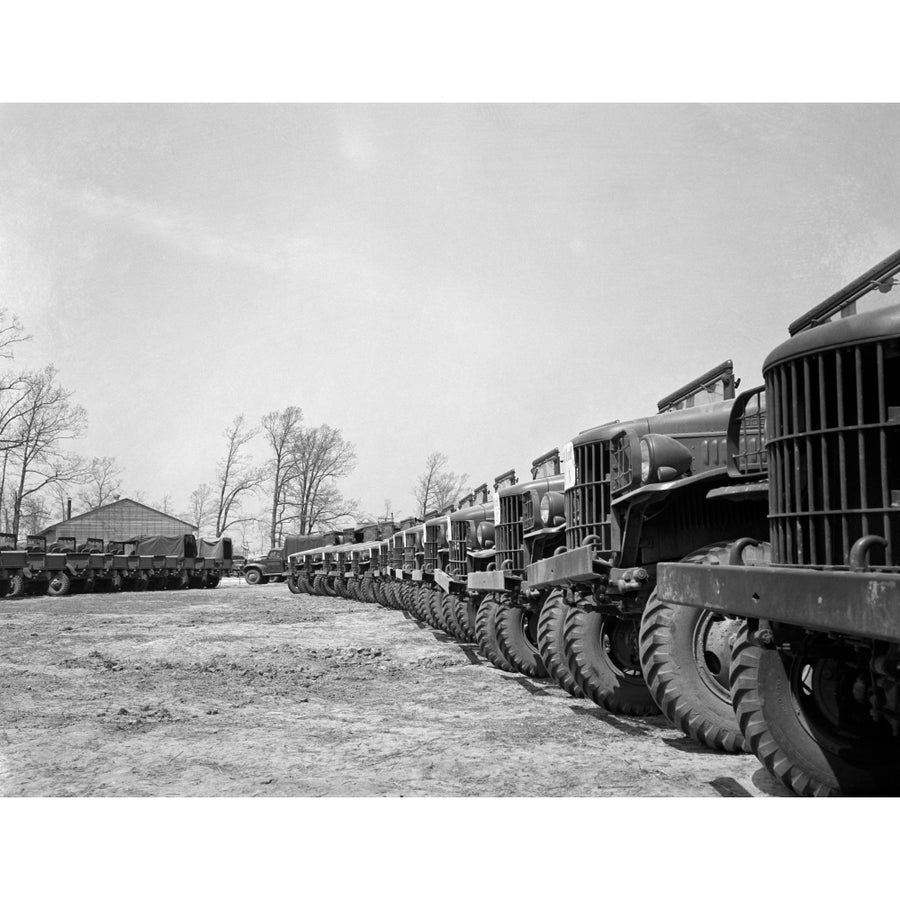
pixel 274 565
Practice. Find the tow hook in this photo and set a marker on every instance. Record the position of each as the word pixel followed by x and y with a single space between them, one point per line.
pixel 632 580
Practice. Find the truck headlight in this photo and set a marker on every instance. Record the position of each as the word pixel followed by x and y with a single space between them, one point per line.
pixel 663 458
pixel 552 509
pixel 484 535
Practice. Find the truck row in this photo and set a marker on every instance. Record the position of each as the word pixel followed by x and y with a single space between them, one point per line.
pixel 732 564
pixel 152 563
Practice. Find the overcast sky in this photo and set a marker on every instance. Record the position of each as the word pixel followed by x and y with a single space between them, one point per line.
pixel 482 280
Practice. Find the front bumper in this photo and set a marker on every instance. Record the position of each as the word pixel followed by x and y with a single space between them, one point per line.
pixel 493 582
pixel 865 604
pixel 572 567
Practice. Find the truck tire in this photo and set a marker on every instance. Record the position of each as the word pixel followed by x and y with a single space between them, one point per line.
pixel 117 582
pixel 141 582
pixel 433 608
pixel 367 589
pixel 419 607
pixel 551 643
pixel 213 581
pixel 408 591
pixel 59 585
pixel 318 584
pixel 786 704
pixel 253 576
pixel 441 612
pixel 517 636
pixel 378 585
pixel 602 652
pixel 466 611
pixel 486 634
pixel 16 585
pixel 686 661
pixel 293 587
pixel 448 614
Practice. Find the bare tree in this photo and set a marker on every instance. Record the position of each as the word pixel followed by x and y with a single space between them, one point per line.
pixel 236 477
pixel 36 458
pixel 200 509
pixel 102 483
pixel 13 396
pixel 164 505
pixel 282 430
pixel 11 332
pixel 319 457
pixel 437 487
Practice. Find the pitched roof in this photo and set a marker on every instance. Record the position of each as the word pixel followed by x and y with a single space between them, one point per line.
pixel 118 502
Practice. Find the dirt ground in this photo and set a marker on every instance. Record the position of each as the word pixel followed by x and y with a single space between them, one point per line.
pixel 252 691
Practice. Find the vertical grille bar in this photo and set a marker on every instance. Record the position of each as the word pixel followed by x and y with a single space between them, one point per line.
pixel 828 521
pixel 883 416
pixel 842 453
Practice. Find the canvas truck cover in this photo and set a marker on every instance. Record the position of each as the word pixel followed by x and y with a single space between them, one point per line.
pixel 294 543
pixel 217 548
pixel 162 545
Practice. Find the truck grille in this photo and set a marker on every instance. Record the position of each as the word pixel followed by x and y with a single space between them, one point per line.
pixel 459 561
pixel 508 534
pixel 530 519
pixel 587 503
pixel 432 541
pixel 397 553
pixel 747 448
pixel 409 551
pixel 621 469
pixel 833 432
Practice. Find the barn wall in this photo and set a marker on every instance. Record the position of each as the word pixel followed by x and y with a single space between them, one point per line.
pixel 116 522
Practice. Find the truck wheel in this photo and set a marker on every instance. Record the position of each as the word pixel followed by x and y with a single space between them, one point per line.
pixel 486 634
pixel 117 582
pixel 141 582
pixel 386 592
pixel 686 661
pixel 807 718
pixel 448 614
pixel 253 576
pixel 367 589
pixel 419 608
pixel 16 585
pixel 517 636
pixel 602 652
pixel 213 581
pixel 551 643
pixel 293 587
pixel 319 586
pixel 466 611
pixel 59 585
pixel 433 601
pixel 442 612
pixel 378 586
pixel 408 592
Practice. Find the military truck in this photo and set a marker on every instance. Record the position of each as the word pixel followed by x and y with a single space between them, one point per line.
pixel 274 566
pixel 815 664
pixel 529 524
pixel 31 568
pixel 85 568
pixel 638 493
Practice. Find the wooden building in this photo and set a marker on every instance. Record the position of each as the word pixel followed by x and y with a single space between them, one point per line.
pixel 117 521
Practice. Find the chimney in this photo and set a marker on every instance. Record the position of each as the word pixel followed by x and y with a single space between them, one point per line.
pixel 69 508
